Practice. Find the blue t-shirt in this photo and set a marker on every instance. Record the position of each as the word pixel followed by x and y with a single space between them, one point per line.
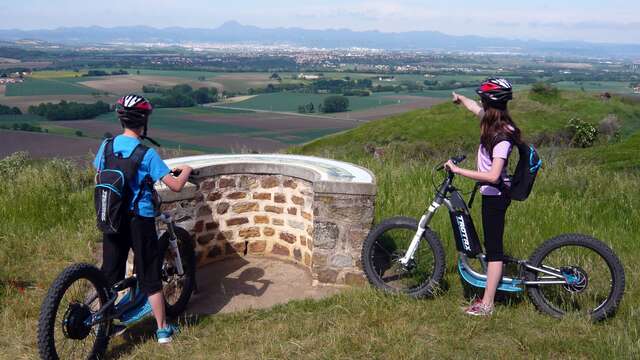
pixel 151 165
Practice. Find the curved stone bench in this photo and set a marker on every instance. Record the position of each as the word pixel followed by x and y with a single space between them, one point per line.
pixel 313 211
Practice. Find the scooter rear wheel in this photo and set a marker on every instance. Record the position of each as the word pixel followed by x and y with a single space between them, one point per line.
pixel 596 274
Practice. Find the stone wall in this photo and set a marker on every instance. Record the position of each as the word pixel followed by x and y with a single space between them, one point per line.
pixel 288 215
pixel 235 215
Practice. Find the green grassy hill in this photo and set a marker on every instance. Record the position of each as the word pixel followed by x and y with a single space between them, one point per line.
pixel 447 127
pixel 592 191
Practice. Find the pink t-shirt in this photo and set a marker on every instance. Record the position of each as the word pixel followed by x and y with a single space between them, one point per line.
pixel 500 150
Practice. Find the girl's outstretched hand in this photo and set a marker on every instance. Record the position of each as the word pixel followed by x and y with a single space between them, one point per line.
pixel 456 98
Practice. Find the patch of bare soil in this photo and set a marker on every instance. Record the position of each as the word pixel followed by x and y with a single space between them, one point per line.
pixel 41 145
pixel 416 102
pixel 23 102
pixel 122 84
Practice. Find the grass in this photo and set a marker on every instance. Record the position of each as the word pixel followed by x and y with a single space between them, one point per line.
pixel 447 126
pixel 620 87
pixel 20 118
pixel 40 87
pixel 55 74
pixel 49 224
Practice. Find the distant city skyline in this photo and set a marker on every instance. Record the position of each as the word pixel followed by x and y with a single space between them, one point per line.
pixel 614 21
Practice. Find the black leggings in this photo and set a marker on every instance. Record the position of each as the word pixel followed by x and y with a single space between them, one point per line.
pixel 494 209
pixel 140 234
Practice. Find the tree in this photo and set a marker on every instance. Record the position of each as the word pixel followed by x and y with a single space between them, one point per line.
pixel 79 133
pixel 310 108
pixel 333 104
pixel 107 135
pixel 6 110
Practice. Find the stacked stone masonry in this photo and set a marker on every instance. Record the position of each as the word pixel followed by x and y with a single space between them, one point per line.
pixel 279 216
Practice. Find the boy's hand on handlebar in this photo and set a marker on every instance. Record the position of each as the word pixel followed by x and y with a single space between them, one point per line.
pixel 178 170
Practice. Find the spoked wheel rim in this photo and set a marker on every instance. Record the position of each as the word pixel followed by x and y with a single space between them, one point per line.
pixel 589 276
pixel 388 248
pixel 73 338
pixel 172 283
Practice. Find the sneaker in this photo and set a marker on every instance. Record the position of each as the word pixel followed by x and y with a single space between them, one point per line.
pixel 164 334
pixel 478 309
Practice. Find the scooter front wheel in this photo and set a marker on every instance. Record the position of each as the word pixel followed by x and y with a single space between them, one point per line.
pixel 64 330
pixel 178 288
pixel 387 243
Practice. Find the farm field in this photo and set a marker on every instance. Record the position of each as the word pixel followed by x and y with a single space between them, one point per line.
pixel 198 129
pixel 289 102
pixel 40 145
pixel 48 86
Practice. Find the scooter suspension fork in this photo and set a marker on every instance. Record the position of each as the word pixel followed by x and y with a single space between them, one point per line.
pixel 173 244
pixel 422 226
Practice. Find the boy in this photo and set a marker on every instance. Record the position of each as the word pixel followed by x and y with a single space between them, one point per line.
pixel 138 230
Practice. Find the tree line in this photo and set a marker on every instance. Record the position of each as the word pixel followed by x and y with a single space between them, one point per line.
pixel 69 110
pixel 6 110
pixel 105 73
pixel 182 95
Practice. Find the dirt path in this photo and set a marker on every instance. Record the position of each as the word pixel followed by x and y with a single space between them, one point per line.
pixel 252 282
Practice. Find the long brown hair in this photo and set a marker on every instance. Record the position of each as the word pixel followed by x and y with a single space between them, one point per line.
pixel 497 125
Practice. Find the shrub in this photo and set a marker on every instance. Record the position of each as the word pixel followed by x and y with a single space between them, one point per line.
pixel 333 104
pixel 609 127
pixel 12 164
pixel 582 133
pixel 544 92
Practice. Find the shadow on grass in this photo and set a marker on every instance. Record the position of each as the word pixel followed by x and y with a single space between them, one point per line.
pixel 206 301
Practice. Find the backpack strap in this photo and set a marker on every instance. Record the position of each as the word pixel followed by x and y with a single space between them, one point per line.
pixel 107 153
pixel 146 184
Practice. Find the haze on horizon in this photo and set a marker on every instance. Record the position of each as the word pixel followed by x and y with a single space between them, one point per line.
pixel 615 21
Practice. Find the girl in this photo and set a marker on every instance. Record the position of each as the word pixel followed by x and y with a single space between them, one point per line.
pixel 497 133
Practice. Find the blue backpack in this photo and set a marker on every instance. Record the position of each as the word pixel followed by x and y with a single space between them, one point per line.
pixel 525 173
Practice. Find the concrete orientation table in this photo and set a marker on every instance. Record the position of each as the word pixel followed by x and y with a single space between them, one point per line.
pixel 313 211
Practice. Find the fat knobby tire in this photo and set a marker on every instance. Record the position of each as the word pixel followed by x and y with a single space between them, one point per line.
pixel 49 309
pixel 187 254
pixel 613 262
pixel 426 289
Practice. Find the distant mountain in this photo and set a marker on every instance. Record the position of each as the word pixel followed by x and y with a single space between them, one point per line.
pixel 234 32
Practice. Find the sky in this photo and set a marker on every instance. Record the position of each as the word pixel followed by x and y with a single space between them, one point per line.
pixel 612 21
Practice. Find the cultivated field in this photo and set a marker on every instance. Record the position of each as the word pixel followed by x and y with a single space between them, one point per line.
pixel 49 86
pixel 41 145
pixel 123 84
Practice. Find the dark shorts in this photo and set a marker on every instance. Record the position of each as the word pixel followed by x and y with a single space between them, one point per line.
pixel 137 233
pixel 494 209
